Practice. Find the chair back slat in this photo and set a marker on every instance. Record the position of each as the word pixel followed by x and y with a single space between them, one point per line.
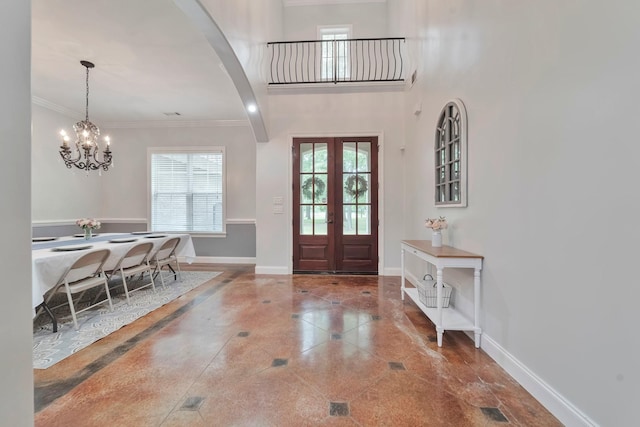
pixel 136 255
pixel 167 249
pixel 87 265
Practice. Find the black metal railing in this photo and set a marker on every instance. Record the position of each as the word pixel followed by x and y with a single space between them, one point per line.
pixel 336 61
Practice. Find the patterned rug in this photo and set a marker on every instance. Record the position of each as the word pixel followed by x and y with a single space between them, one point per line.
pixel 49 348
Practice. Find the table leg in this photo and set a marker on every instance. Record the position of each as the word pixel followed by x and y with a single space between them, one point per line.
pixel 476 306
pixel 402 274
pixel 439 289
pixel 54 321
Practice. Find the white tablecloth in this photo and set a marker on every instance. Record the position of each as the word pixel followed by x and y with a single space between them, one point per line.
pixel 48 265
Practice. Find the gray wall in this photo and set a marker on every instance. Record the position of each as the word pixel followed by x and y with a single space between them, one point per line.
pixel 16 372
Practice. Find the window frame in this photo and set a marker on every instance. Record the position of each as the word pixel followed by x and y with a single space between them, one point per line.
pixel 335 30
pixel 444 144
pixel 189 150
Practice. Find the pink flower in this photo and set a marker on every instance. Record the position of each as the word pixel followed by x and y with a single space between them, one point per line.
pixel 436 224
pixel 88 223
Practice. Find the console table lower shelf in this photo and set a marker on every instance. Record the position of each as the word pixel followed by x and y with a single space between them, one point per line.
pixel 452 320
pixel 444 257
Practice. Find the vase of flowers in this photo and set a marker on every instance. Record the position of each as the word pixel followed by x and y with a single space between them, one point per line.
pixel 88 225
pixel 436 225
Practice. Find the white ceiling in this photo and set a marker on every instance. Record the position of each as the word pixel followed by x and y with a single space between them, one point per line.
pixel 149 61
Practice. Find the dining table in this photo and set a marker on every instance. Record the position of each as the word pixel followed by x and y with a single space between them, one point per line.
pixel 51 257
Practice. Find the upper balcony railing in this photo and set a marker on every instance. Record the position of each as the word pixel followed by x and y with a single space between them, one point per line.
pixel 336 61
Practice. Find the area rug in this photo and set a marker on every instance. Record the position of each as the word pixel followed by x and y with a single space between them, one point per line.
pixel 49 348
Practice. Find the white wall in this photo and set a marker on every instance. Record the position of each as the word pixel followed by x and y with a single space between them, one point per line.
pixel 551 90
pixel 16 392
pixel 59 193
pixel 248 26
pixel 326 115
pixel 368 20
pixel 125 189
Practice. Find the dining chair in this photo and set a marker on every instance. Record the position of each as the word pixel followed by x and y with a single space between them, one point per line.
pixel 84 274
pixel 134 261
pixel 165 256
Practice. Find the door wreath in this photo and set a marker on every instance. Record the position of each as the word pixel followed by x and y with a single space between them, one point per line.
pixel 356 186
pixel 309 183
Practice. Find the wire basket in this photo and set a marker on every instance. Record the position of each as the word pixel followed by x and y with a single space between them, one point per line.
pixel 428 292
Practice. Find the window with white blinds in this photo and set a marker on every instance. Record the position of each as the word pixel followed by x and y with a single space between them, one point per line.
pixel 187 190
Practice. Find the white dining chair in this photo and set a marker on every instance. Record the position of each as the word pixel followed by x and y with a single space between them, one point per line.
pixel 165 256
pixel 84 274
pixel 134 261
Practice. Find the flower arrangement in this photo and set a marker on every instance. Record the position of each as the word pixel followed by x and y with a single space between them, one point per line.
pixel 88 223
pixel 436 224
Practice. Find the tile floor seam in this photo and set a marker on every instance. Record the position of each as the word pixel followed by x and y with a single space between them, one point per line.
pixel 197 377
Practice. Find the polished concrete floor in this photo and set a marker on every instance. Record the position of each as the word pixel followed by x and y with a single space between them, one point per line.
pixel 304 350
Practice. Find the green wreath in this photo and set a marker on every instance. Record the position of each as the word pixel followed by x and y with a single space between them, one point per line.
pixel 354 190
pixel 309 183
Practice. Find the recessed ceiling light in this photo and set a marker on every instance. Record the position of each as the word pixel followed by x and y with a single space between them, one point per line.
pixel 252 108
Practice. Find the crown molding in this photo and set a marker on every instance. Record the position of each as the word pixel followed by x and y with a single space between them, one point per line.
pixel 55 107
pixel 142 124
pixel 287 3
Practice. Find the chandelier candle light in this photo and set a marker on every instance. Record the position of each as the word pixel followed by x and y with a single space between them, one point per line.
pixel 437 225
pixel 85 153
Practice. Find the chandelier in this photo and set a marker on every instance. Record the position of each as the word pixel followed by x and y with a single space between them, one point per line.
pixel 84 153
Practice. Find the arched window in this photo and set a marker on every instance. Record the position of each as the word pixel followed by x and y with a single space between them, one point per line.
pixel 451 156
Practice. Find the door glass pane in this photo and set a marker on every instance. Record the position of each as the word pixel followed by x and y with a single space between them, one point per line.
pixel 364 157
pixel 349 182
pixel 349 157
pixel 306 188
pixel 306 220
pixel 364 219
pixel 350 219
pixel 320 220
pixel 320 157
pixel 306 157
pixel 455 171
pixel 364 188
pixel 320 188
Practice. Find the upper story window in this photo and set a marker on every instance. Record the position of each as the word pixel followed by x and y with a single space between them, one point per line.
pixel 451 156
pixel 334 58
pixel 187 189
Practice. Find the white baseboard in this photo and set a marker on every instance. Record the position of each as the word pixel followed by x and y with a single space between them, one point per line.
pixel 392 272
pixel 560 407
pixel 272 270
pixel 553 401
pixel 222 260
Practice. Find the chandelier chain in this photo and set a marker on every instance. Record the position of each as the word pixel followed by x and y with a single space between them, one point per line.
pixel 87 97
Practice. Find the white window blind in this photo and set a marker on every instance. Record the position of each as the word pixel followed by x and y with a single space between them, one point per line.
pixel 187 191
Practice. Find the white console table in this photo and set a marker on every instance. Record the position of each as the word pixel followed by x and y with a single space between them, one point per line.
pixel 445 257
